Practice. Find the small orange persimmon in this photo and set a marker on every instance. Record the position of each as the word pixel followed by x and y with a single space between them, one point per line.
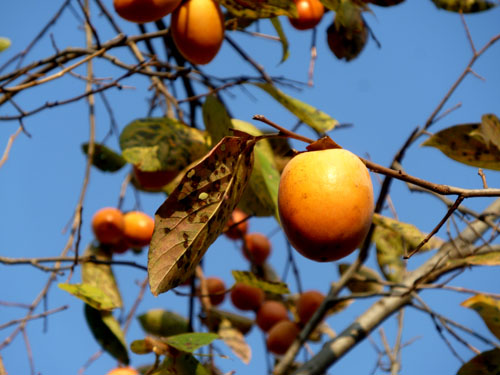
pixel 281 336
pixel 198 30
pixel 256 248
pixel 309 12
pixel 246 297
pixel 270 313
pixel 123 371
pixel 325 202
pixel 308 303
pixel 138 228
pixel 235 232
pixel 108 225
pixel 215 288
pixel 142 11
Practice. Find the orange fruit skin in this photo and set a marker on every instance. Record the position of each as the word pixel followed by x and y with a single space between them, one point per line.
pixel 198 30
pixel 215 288
pixel 308 303
pixel 138 228
pixel 123 371
pixel 325 201
pixel 238 231
pixel 257 248
pixel 246 297
pixel 108 225
pixel 142 11
pixel 154 180
pixel 310 13
pixel 281 336
pixel 270 313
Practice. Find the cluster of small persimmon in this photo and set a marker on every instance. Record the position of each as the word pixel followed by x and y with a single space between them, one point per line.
pixel 119 232
pixel 272 312
pixel 198 27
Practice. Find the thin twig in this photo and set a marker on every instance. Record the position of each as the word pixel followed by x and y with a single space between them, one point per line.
pixel 11 140
pixel 33 317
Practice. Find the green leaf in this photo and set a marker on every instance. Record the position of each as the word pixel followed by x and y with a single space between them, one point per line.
pixel 457 143
pixel 464 6
pixel 190 342
pixel 260 198
pixel 489 310
pixel 260 9
pixel 104 158
pixel 267 286
pixel 488 131
pixel 4 43
pixel 331 4
pixel 487 259
pixel 154 144
pixel 283 40
pixel 393 239
pixel 235 340
pixel 359 283
pixel 216 119
pixel 90 294
pixel 196 212
pixel 106 330
pixel 161 322
pixel 240 322
pixel 101 275
pixel 486 363
pixel 181 364
pixel 316 119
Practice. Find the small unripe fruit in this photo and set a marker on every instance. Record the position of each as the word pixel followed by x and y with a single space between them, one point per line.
pixel 308 303
pixel 246 297
pixel 325 202
pixel 138 228
pixel 281 336
pixel 235 232
pixel 108 225
pixel 257 248
pixel 270 313
pixel 215 289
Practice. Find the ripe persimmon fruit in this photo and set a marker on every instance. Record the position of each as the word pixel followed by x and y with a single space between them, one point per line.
pixel 198 30
pixel 309 12
pixel 108 225
pixel 235 232
pixel 325 202
pixel 215 288
pixel 307 304
pixel 256 248
pixel 123 371
pixel 281 336
pixel 246 297
pixel 142 11
pixel 153 180
pixel 270 313
pixel 138 228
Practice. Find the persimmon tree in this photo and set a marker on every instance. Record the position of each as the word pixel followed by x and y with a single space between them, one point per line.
pixel 199 164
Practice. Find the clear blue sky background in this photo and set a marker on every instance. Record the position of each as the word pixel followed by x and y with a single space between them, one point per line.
pixel 385 93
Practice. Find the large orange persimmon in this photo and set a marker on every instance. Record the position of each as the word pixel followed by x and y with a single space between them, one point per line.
pixel 123 371
pixel 198 30
pixel 138 228
pixel 325 201
pixel 142 11
pixel 309 12
pixel 108 225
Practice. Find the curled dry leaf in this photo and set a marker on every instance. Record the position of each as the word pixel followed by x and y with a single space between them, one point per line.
pixel 235 340
pixel 195 213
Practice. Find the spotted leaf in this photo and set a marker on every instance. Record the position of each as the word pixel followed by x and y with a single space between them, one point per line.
pixel 101 275
pixel 461 143
pixel 260 9
pixel 154 144
pixel 195 213
pixel 464 6
pixel 104 158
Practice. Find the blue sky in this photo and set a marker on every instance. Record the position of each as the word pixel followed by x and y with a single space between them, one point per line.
pixel 385 93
